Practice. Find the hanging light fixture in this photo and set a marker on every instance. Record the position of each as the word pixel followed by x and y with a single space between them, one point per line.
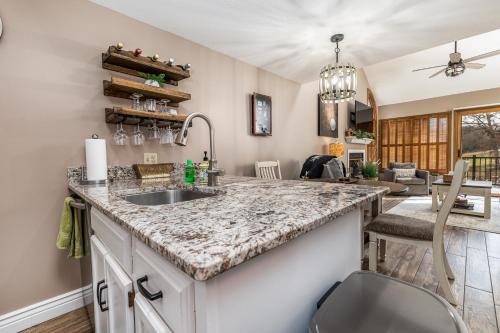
pixel 337 82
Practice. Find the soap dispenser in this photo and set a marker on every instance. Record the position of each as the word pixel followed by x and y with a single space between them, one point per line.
pixel 203 170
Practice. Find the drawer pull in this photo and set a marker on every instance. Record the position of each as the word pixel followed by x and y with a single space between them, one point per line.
pixel 145 292
pixel 99 290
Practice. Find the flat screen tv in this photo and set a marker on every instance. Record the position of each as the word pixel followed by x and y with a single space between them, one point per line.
pixel 360 116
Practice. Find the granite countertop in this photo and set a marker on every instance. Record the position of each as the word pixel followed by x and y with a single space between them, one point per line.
pixel 247 217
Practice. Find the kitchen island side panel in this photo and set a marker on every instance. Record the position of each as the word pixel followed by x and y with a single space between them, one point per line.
pixel 276 292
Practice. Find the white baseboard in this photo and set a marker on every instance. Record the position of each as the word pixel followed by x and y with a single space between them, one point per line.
pixel 37 313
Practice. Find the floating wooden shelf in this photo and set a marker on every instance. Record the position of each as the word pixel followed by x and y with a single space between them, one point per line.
pixel 126 62
pixel 133 117
pixel 355 140
pixel 122 88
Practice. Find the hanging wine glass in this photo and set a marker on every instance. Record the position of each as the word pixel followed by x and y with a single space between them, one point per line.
pixel 167 137
pixel 120 138
pixel 153 132
pixel 138 137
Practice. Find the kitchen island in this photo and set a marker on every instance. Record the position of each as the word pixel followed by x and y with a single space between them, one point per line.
pixel 254 257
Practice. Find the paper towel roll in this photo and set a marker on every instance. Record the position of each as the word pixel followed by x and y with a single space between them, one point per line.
pixel 95 157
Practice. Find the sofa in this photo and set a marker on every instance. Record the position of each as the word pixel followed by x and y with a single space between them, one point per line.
pixel 418 184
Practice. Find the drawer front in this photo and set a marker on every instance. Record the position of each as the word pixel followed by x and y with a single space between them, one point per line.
pixel 176 304
pixel 116 239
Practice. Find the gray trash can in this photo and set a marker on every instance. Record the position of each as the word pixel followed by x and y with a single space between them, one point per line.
pixel 372 303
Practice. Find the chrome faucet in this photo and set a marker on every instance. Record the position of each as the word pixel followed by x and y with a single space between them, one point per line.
pixel 181 140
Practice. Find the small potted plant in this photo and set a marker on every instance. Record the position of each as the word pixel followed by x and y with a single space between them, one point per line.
pixel 155 80
pixel 369 170
pixel 360 134
pixel 359 137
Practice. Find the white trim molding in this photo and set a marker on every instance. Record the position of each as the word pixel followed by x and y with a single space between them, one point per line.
pixel 37 313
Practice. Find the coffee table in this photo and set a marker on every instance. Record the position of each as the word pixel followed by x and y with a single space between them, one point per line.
pixel 395 188
pixel 471 187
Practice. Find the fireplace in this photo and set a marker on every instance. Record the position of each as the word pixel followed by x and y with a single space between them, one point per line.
pixel 355 159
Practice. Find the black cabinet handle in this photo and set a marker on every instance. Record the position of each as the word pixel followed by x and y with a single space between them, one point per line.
pixel 99 290
pixel 145 292
pixel 98 286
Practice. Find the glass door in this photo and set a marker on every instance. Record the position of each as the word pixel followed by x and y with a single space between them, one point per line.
pixel 477 140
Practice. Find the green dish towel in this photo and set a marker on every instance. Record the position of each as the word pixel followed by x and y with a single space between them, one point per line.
pixel 73 235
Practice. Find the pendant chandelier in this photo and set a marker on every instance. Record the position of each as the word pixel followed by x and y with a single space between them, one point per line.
pixel 337 83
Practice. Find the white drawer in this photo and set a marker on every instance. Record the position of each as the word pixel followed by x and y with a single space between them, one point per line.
pixel 176 305
pixel 115 238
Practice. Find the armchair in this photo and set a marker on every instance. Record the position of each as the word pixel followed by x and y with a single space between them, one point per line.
pixel 418 185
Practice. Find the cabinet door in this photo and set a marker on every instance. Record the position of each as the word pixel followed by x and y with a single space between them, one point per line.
pixel 120 289
pixel 98 253
pixel 146 318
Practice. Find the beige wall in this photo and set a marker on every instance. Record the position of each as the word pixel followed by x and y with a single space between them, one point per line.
pixel 440 104
pixel 51 100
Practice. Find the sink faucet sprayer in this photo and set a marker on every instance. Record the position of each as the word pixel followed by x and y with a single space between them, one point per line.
pixel 181 140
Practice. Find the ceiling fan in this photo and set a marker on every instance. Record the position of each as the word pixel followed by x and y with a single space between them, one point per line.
pixel 457 65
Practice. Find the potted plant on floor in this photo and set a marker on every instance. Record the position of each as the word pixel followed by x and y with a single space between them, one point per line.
pixel 369 170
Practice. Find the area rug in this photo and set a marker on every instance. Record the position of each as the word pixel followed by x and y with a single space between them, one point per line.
pixel 420 207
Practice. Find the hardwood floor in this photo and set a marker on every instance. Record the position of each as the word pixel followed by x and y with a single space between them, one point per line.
pixel 475 259
pixel 73 322
pixel 473 255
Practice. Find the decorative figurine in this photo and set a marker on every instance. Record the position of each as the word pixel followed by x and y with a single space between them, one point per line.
pixel 137 52
pixel 186 67
pixel 119 45
pixel 170 62
pixel 155 57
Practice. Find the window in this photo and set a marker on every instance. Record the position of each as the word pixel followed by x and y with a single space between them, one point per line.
pixel 421 139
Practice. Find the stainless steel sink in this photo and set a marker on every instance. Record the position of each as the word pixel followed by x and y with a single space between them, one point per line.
pixel 166 197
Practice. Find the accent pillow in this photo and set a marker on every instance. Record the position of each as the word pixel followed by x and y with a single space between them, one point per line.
pixel 333 169
pixel 404 173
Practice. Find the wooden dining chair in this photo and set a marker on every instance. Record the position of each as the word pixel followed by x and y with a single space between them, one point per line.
pixel 268 169
pixel 414 231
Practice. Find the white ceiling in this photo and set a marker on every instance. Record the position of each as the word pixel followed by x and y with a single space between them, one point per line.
pixel 394 82
pixel 291 37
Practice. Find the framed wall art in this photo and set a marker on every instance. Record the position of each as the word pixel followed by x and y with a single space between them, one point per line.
pixel 261 115
pixel 328 117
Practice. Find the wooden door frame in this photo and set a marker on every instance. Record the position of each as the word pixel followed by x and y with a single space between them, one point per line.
pixel 457 127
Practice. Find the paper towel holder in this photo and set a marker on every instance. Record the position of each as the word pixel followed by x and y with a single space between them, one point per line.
pixel 83 172
pixel 84 181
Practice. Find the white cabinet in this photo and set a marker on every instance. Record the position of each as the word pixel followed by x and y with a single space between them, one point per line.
pixel 113 292
pixel 160 298
pixel 169 291
pixel 120 297
pixel 98 254
pixel 146 318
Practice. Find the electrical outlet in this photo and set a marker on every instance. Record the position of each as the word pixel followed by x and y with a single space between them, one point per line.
pixel 150 158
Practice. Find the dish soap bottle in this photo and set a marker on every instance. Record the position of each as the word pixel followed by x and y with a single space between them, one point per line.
pixel 203 167
pixel 189 172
